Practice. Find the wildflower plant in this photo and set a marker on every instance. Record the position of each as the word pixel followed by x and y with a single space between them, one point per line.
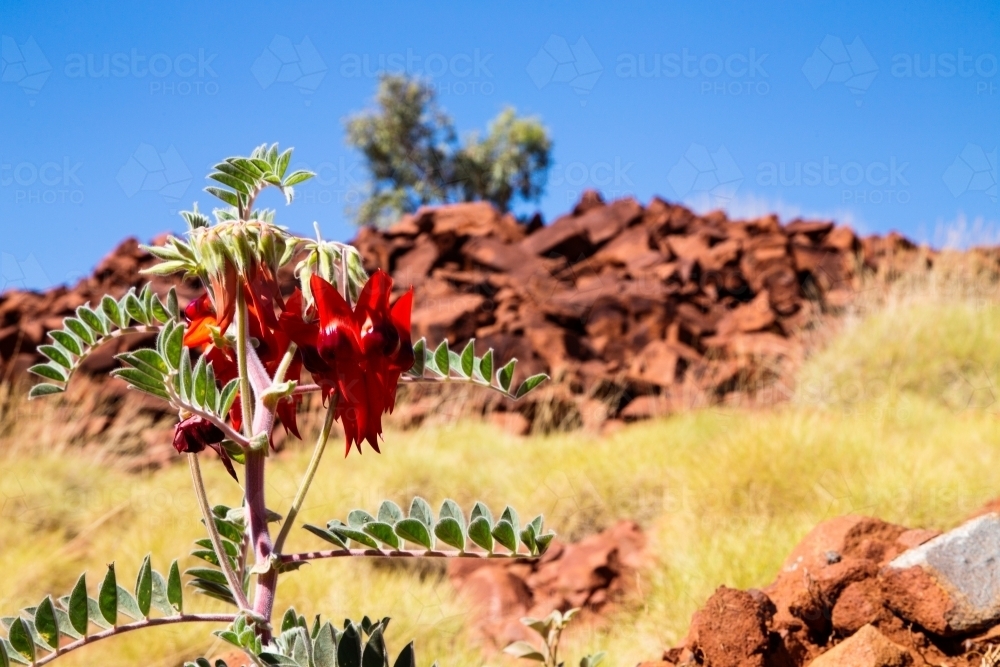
pixel 234 363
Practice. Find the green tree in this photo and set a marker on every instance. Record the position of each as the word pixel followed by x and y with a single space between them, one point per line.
pixel 413 155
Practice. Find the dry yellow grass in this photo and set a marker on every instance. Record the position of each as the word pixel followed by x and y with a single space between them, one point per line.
pixel 724 493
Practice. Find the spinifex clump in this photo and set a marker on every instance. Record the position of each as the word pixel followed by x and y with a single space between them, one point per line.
pixel 232 363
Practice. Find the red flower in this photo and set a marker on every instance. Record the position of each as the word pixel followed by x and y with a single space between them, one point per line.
pixel 272 343
pixel 194 434
pixel 360 354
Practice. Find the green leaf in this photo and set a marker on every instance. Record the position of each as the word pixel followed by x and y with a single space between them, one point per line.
pixel 158 311
pixel 151 361
pixel 325 647
pixel 414 530
pixel 542 542
pixel 90 317
pixel 107 599
pixel 175 592
pixel 486 365
pixel 94 614
pixel 524 650
pixel 144 587
pixel 375 655
pixel 56 354
pixel 480 534
pixel 65 627
pixel 227 396
pixel 211 388
pixel 528 539
pixel 20 639
pixel 421 510
pixel 289 620
pixel 184 382
pixel 442 359
pixel 349 648
pixel 235 183
pixel 159 600
pixel 277 660
pixel 208 574
pixel 68 341
pixel 449 508
pixel 282 164
pixel 297 177
pixel 356 535
pixel 46 623
pixel 171 305
pixel 468 359
pixel 247 166
pixel 134 308
pixel 504 533
pixel 480 509
pixel 530 384
pixel 451 532
pixel 327 535
pixel 77 607
pixel 200 380
pixel 406 658
pixel 82 331
pixel 141 381
pixel 49 372
pixel 111 310
pixel 44 389
pixel 506 375
pixel 510 516
pixel 593 660
pixel 225 195
pixel 358 518
pixel 419 357
pixel 127 604
pixel 389 512
pixel 173 346
pixel 4 660
pixel 383 532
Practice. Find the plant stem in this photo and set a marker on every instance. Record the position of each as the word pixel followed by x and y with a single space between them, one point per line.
pixel 138 625
pixel 213 533
pixel 307 479
pixel 286 361
pixel 260 540
pixel 242 342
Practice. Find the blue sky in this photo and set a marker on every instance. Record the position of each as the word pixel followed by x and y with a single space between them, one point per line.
pixel 883 115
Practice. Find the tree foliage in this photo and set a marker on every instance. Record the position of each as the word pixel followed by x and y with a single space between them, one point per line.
pixel 414 157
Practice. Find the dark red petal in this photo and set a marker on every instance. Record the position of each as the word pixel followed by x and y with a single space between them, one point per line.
pixel 331 306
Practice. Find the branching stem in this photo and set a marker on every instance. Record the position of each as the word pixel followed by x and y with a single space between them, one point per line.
pixel 138 625
pixel 213 533
pixel 307 478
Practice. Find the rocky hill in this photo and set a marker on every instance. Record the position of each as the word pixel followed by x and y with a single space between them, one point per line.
pixel 634 310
